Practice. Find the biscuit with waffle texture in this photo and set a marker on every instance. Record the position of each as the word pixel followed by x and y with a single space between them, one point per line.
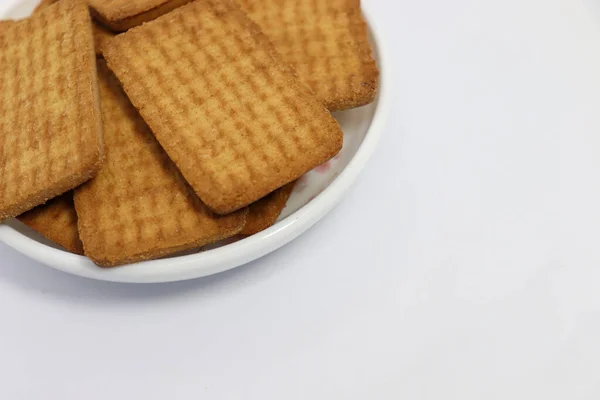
pixel 121 15
pixel 232 116
pixel 139 207
pixel 101 34
pixel 326 42
pixel 264 213
pixel 50 124
pixel 57 221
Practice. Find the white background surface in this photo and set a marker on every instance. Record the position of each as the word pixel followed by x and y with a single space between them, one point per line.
pixel 464 264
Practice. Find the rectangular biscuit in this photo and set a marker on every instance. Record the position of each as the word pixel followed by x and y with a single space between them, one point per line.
pixel 264 213
pixel 139 206
pixel 121 15
pixel 101 34
pixel 57 221
pixel 326 42
pixel 50 124
pixel 231 115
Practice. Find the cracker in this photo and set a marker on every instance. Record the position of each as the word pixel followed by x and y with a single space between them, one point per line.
pixel 232 116
pixel 121 15
pixel 326 42
pixel 264 213
pixel 57 221
pixel 101 34
pixel 50 124
pixel 139 206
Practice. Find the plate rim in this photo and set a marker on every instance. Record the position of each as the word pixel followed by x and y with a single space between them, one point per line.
pixel 243 251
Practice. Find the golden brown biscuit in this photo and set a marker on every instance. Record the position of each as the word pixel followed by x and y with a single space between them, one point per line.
pixel 101 34
pixel 139 206
pixel 231 115
pixel 121 15
pixel 50 125
pixel 326 41
pixel 57 221
pixel 264 213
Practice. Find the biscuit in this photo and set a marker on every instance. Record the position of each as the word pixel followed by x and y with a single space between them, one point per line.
pixel 326 42
pixel 232 116
pixel 264 213
pixel 139 207
pixel 50 124
pixel 101 34
pixel 121 15
pixel 57 221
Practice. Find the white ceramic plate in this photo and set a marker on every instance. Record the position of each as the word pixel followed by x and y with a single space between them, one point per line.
pixel 314 196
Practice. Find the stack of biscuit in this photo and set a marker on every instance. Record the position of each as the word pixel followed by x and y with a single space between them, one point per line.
pixel 135 129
